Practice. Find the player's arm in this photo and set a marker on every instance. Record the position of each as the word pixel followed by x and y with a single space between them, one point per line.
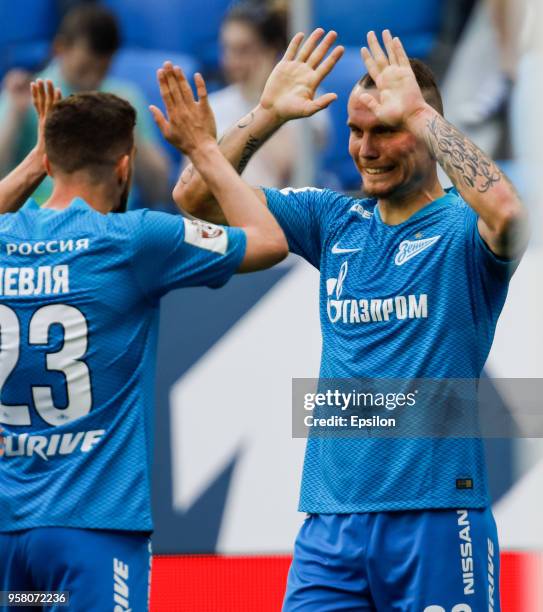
pixel 502 218
pixel 21 182
pixel 188 129
pixel 290 93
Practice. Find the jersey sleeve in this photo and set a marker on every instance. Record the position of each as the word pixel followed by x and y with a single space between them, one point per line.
pixel 304 216
pixel 173 251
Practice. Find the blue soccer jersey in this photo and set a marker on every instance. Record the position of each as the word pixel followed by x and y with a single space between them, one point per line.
pixel 416 300
pixel 79 308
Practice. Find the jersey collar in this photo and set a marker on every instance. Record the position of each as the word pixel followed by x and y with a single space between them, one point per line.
pixel 75 204
pixel 450 195
pixel 31 204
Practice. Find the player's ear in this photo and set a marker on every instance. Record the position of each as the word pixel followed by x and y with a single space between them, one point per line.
pixel 123 168
pixel 47 165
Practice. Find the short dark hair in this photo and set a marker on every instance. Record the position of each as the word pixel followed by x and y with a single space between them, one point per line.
pixel 268 21
pixel 93 24
pixel 426 80
pixel 89 131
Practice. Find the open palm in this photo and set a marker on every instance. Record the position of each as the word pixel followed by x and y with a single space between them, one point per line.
pixel 190 121
pixel 291 87
pixel 44 97
pixel 399 95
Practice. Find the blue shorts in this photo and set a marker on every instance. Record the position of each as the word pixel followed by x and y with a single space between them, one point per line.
pixel 102 570
pixel 416 561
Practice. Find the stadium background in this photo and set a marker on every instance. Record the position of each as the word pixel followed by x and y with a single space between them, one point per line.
pixel 226 470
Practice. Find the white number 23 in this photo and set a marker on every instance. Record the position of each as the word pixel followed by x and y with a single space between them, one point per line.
pixel 67 360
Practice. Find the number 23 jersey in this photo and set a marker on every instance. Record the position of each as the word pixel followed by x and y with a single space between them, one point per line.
pixel 79 305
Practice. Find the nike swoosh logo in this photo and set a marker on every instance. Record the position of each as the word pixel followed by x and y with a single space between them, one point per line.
pixel 336 250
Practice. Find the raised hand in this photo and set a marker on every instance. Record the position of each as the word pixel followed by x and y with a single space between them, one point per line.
pixel 399 96
pixel 190 122
pixel 44 97
pixel 291 87
pixel 20 183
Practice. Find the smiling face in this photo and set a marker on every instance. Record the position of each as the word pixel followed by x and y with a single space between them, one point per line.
pixel 392 162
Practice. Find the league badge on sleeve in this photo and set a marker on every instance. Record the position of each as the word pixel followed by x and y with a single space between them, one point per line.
pixel 206 236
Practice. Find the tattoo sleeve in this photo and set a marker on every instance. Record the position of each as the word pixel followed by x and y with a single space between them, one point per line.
pixel 465 164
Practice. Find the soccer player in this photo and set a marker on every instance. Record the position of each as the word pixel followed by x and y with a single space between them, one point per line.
pixel 413 279
pixel 81 290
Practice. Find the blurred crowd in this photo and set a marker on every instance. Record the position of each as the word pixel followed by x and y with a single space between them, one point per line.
pixel 483 52
pixel 82 51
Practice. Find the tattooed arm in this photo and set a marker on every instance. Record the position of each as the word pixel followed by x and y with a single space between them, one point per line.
pixel 238 145
pixel 502 218
pixel 289 94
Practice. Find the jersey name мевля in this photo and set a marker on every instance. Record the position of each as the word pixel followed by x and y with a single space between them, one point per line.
pixel 79 306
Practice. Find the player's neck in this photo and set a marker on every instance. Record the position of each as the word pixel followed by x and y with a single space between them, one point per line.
pixel 98 196
pixel 394 211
